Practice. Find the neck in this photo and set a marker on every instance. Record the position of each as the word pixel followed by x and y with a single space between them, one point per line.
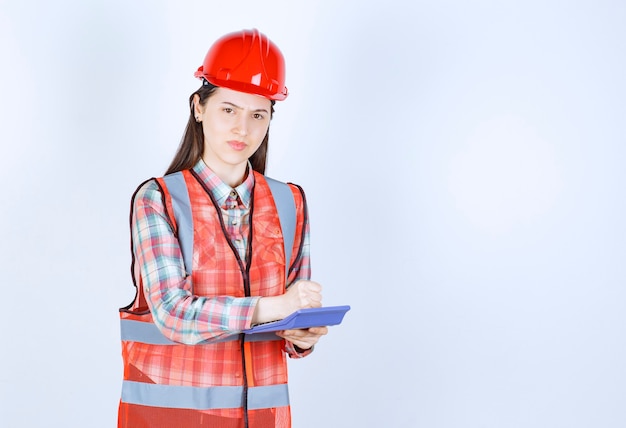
pixel 232 175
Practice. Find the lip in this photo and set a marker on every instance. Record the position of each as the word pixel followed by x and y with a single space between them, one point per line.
pixel 237 145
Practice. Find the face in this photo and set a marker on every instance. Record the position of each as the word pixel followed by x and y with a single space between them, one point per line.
pixel 234 125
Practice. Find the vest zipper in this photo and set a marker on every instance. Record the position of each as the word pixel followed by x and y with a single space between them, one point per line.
pixel 245 274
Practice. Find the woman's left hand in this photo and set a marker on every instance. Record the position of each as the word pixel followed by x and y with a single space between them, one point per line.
pixel 303 338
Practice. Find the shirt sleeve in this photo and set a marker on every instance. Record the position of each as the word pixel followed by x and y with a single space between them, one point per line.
pixel 179 314
pixel 291 350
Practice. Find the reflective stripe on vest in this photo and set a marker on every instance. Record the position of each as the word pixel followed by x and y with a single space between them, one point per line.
pixel 203 398
pixel 182 213
pixel 286 206
pixel 147 332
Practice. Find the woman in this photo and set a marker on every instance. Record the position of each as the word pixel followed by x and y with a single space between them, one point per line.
pixel 186 361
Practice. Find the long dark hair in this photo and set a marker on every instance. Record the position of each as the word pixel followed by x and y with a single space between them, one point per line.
pixel 191 146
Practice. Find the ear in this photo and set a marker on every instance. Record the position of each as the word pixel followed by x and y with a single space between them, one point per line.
pixel 198 109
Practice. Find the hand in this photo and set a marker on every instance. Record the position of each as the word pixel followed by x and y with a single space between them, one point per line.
pixel 302 294
pixel 303 338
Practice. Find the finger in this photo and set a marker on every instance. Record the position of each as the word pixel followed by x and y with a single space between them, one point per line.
pixel 304 342
pixel 314 297
pixel 291 334
pixel 315 303
pixel 318 331
pixel 304 334
pixel 313 286
pixel 295 333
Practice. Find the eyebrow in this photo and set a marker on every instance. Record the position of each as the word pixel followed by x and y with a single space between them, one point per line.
pixel 241 108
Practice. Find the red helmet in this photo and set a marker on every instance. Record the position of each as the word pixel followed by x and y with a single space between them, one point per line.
pixel 246 61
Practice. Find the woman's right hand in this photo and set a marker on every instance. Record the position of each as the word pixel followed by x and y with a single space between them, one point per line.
pixel 301 294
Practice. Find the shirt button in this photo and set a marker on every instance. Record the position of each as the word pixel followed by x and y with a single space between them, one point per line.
pixel 234 223
pixel 233 194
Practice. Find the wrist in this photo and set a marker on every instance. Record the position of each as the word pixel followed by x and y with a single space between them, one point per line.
pixel 300 350
pixel 268 309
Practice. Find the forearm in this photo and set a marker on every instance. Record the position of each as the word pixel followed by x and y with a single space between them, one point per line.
pixel 190 319
pixel 269 309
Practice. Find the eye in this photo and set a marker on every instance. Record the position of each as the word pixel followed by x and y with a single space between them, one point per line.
pixel 258 116
pixel 227 110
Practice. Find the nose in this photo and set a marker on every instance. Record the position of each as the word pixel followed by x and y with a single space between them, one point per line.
pixel 241 127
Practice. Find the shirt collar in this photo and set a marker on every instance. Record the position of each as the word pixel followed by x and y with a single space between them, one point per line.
pixel 221 190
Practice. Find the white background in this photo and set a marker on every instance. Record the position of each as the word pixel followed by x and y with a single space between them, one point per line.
pixel 464 165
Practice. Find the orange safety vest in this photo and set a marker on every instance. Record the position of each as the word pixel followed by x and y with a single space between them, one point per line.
pixel 234 382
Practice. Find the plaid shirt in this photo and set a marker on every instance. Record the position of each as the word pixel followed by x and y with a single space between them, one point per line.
pixel 160 264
